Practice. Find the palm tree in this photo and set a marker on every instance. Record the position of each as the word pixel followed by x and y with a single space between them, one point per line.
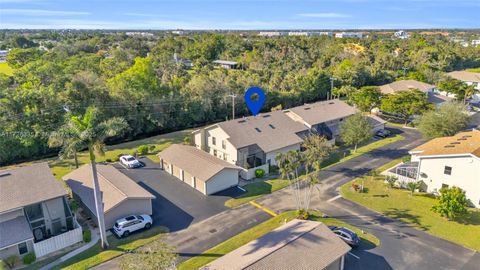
pixel 70 144
pixel 317 149
pixel 90 132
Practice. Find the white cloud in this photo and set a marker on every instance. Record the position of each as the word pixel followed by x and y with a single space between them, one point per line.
pixel 41 12
pixel 324 15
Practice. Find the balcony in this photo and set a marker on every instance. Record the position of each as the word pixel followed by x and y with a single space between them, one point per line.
pixel 59 241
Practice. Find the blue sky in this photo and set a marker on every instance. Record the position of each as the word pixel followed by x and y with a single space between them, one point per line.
pixel 240 14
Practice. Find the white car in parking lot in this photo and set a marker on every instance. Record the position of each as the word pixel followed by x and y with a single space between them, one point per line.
pixel 124 226
pixel 130 161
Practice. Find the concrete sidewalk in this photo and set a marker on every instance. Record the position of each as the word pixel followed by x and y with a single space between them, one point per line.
pixel 95 239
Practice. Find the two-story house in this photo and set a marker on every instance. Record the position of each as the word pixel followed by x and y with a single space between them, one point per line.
pixel 323 118
pixel 34 213
pixel 451 161
pixel 251 142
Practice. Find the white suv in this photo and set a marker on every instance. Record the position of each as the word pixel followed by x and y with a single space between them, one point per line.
pixel 124 226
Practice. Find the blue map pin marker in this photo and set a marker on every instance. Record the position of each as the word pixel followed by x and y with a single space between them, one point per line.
pixel 254 105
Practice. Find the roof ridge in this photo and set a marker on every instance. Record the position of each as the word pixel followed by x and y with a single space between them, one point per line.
pixel 106 179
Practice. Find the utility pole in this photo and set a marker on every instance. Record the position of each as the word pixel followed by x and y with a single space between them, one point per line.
pixel 331 87
pixel 233 96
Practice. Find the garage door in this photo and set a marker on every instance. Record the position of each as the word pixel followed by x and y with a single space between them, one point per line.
pixel 166 167
pixel 199 185
pixel 188 178
pixel 176 172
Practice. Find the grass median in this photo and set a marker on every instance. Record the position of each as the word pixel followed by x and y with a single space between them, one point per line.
pixel 118 246
pixel 262 229
pixel 416 211
pixel 259 189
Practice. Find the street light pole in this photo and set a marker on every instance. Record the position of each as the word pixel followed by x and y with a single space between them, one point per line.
pixel 233 96
pixel 331 87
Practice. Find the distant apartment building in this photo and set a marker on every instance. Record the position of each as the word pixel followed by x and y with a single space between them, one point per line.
pixel 401 34
pixel 178 32
pixel 349 35
pixel 3 55
pixel 226 64
pixel 142 34
pixel 450 161
pixel 272 34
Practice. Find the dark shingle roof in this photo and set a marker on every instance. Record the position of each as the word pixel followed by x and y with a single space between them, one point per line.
pixel 28 185
pixel 270 131
pixel 297 245
pixel 14 231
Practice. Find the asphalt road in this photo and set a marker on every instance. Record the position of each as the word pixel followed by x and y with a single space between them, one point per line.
pixel 401 247
pixel 177 205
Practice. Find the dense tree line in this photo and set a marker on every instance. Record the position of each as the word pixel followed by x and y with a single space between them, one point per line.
pixel 137 77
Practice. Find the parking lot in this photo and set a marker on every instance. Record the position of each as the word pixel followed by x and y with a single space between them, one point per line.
pixel 177 205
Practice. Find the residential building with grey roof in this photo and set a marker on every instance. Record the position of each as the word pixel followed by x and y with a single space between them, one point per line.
pixel 34 213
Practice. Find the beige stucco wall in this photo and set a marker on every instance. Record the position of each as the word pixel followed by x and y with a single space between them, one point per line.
pixel 222 180
pixel 220 136
pixel 128 207
pixel 465 175
pixel 13 250
pixel 271 155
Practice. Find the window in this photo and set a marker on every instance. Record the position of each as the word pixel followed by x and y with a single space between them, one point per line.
pixel 444 186
pixel 214 152
pixel 447 170
pixel 22 248
pixel 225 156
pixel 224 144
pixel 214 141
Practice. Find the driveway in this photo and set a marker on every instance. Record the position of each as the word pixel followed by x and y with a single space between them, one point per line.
pixel 177 205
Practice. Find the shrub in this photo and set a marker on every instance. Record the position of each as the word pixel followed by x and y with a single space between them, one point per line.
pixel 108 160
pixel 12 261
pixel 406 159
pixel 142 149
pixel 259 173
pixel 391 180
pixel 135 153
pixel 87 236
pixel 29 258
pixel 302 214
pixel 151 148
pixel 115 159
pixel 73 205
pixel 355 186
pixel 273 169
pixel 452 203
pixel 3 266
pixel 187 140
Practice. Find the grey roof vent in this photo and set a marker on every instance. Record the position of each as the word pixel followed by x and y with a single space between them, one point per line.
pixel 258 130
pixel 242 121
pixel 266 116
pixel 307 108
pixel 449 146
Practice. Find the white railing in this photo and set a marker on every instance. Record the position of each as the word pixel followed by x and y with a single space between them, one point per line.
pixel 248 174
pixel 404 175
pixel 58 242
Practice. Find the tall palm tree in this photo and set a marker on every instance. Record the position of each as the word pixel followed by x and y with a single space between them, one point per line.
pixel 89 131
pixel 317 149
pixel 70 144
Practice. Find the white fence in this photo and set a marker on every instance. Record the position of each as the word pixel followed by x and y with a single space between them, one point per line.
pixel 58 242
pixel 250 173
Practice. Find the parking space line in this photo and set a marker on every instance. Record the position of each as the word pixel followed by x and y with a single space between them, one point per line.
pixel 270 212
pixel 334 198
pixel 353 255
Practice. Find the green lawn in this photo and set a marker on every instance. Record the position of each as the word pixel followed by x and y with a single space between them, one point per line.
pixel 474 70
pixel 62 167
pixel 95 255
pixel 6 69
pixel 415 211
pixel 258 231
pixel 259 189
